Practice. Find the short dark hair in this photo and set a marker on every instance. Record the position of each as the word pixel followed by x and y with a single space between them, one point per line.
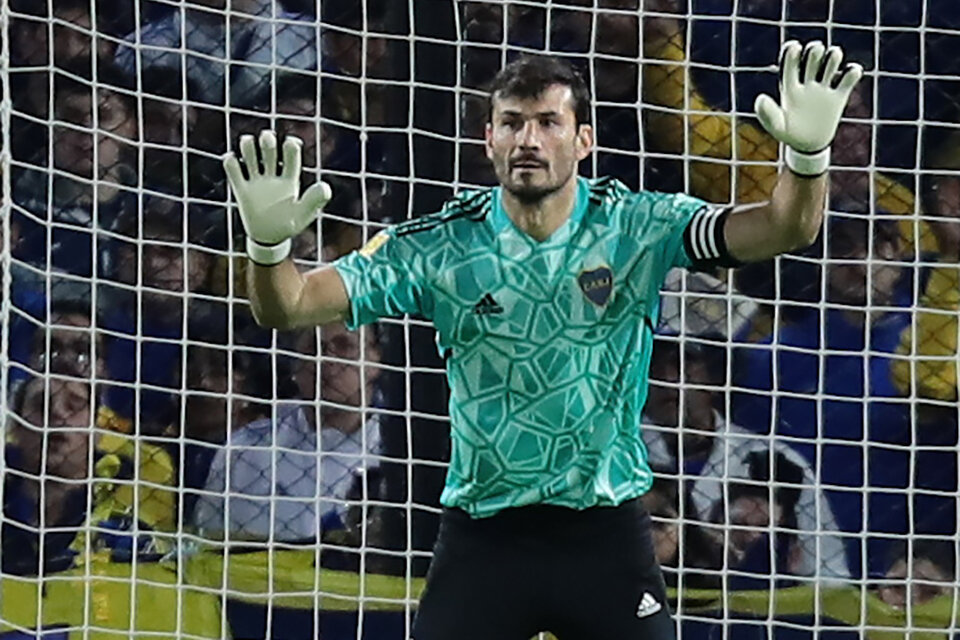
pixel 529 77
pixel 162 220
pixel 114 17
pixel 166 82
pixel 76 77
pixel 75 307
pixel 707 349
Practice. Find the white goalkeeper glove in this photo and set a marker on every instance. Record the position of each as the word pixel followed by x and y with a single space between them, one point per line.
pixel 271 207
pixel 813 94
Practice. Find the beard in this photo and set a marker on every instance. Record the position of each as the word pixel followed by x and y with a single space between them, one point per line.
pixel 530 193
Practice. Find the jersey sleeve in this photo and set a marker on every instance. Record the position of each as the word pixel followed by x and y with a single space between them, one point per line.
pixel 693 234
pixel 385 278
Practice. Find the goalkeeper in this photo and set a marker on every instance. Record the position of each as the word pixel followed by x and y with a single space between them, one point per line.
pixel 543 291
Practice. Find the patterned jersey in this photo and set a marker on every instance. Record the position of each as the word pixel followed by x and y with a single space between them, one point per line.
pixel 547 344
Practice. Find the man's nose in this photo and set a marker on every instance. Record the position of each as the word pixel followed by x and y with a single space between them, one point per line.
pixel 530 135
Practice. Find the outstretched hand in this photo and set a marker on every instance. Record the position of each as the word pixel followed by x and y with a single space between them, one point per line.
pixel 270 204
pixel 814 91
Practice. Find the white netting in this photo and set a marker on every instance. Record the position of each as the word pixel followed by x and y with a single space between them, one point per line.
pixel 172 469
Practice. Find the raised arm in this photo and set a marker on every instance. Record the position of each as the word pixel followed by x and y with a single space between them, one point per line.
pixel 693 126
pixel 789 221
pixel 813 94
pixel 283 298
pixel 272 212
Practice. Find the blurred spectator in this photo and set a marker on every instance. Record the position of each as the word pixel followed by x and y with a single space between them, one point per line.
pixel 48 462
pixel 711 454
pixel 74 43
pixel 158 253
pixel 309 447
pixel 258 39
pixel 51 461
pixel 699 304
pixel 168 117
pixel 55 309
pixel 72 30
pixel 339 147
pixel 174 130
pixel 214 404
pixel 758 526
pixel 218 399
pixel 80 110
pixel 68 344
pixel 79 203
pixel 354 45
pixel 817 401
pixel 662 502
pixel 347 49
pixel 702 550
pixel 157 274
pixel 297 108
pixel 302 450
pixel 921 574
pixel 482 22
pixel 703 369
pixel 934 373
pixel 617 86
pixel 803 514
pixel 928 363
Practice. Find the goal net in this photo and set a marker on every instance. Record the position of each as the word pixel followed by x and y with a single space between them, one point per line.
pixel 172 470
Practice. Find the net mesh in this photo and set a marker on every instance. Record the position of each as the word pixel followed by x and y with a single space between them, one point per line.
pixel 171 469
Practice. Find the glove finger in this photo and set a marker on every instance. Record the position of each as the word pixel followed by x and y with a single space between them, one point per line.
pixel 317 196
pixel 770 115
pixel 312 202
pixel 810 61
pixel 849 78
pixel 831 63
pixel 268 150
pixel 789 65
pixel 291 156
pixel 234 172
pixel 248 151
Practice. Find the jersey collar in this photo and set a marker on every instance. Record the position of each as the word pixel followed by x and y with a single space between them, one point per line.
pixel 501 220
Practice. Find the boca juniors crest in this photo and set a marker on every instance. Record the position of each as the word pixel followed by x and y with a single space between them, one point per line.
pixel 596 284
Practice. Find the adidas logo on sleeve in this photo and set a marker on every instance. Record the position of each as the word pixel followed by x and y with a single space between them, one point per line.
pixel 648 606
pixel 487 306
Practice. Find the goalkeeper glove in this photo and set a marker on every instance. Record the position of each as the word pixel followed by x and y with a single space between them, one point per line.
pixel 813 94
pixel 270 204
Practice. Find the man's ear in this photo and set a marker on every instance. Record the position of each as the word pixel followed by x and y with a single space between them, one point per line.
pixel 488 140
pixel 584 141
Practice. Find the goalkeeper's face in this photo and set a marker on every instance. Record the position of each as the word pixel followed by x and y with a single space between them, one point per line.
pixel 536 143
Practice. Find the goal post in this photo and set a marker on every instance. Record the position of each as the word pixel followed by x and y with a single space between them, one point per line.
pixel 173 470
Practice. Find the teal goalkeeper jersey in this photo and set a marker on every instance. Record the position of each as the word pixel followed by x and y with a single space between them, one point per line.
pixel 547 344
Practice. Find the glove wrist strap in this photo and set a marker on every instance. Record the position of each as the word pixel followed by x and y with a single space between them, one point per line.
pixel 808 164
pixel 268 255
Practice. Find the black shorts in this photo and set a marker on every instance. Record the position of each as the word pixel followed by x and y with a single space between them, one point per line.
pixel 582 575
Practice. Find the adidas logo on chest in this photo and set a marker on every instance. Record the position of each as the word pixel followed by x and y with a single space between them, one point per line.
pixel 648 606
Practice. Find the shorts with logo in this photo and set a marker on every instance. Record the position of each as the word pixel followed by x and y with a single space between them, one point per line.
pixel 582 575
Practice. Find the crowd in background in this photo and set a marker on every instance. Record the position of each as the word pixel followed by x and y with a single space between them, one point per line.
pixel 832 372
